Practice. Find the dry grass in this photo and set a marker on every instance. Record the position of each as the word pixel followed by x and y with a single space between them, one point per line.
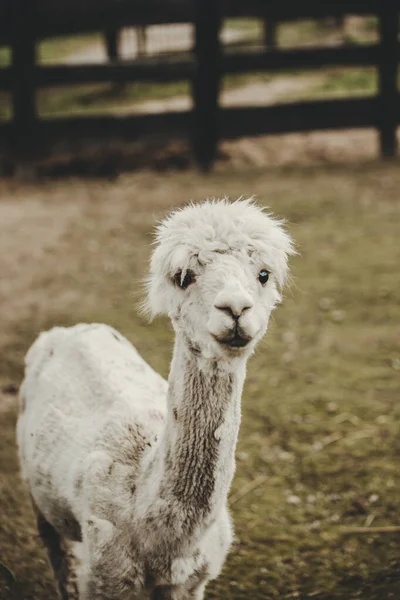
pixel 319 444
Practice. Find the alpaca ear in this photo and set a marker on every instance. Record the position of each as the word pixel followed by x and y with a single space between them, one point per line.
pixel 167 259
pixel 159 297
pixel 279 248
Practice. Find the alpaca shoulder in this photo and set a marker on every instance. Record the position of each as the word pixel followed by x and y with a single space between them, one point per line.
pixel 89 367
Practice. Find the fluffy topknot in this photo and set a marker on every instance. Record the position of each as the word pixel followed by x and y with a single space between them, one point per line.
pixel 198 231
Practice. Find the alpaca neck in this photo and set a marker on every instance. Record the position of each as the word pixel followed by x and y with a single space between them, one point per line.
pixel 189 478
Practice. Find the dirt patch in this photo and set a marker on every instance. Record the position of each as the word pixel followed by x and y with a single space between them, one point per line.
pixel 262 93
pixel 8 400
pixel 30 231
pixel 160 154
pixel 317 147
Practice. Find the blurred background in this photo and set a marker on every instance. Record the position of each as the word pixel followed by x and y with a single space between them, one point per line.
pixel 112 113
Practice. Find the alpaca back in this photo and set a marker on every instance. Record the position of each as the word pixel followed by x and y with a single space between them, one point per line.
pixel 86 391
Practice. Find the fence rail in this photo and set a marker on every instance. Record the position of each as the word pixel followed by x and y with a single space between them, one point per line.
pixel 62 17
pixel 24 22
pixel 175 69
pixel 233 122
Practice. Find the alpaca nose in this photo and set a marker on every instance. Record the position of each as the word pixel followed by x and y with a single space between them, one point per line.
pixel 233 303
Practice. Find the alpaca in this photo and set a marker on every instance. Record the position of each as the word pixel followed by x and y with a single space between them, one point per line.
pixel 129 476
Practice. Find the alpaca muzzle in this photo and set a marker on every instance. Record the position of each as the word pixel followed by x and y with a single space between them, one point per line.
pixel 236 338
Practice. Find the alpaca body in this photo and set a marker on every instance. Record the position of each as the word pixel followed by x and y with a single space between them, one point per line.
pixel 93 420
pixel 131 473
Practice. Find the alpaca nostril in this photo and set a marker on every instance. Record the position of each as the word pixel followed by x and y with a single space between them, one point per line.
pixel 235 314
pixel 225 309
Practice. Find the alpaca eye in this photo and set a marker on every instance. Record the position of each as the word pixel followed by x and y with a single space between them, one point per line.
pixel 263 276
pixel 186 281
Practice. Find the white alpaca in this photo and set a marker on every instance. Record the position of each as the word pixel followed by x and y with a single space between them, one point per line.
pixel 129 471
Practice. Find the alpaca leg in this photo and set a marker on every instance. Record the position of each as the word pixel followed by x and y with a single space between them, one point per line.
pixel 180 592
pixel 198 592
pixel 168 592
pixel 61 558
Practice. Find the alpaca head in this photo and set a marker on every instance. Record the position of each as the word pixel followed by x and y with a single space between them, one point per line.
pixel 217 271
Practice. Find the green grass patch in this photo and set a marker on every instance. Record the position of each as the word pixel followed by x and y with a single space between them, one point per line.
pixel 371 23
pixel 56 49
pixel 248 30
pixel 339 83
pixel 298 33
pixel 102 97
pixel 5 56
pixel 350 80
pixel 243 25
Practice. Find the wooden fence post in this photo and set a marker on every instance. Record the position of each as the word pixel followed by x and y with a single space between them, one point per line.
pixel 387 77
pixel 23 23
pixel 111 38
pixel 206 81
pixel 270 32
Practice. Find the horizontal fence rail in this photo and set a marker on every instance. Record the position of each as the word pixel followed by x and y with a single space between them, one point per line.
pixel 25 22
pixel 234 122
pixel 174 69
pixel 63 17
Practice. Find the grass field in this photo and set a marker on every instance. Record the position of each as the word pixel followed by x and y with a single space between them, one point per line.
pixel 320 432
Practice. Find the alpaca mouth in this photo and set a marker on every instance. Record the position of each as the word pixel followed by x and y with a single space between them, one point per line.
pixel 234 339
pixel 236 342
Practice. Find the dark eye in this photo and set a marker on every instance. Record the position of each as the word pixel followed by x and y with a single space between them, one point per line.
pixel 186 281
pixel 263 276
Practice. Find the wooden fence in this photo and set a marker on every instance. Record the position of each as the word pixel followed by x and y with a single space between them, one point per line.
pixel 25 22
